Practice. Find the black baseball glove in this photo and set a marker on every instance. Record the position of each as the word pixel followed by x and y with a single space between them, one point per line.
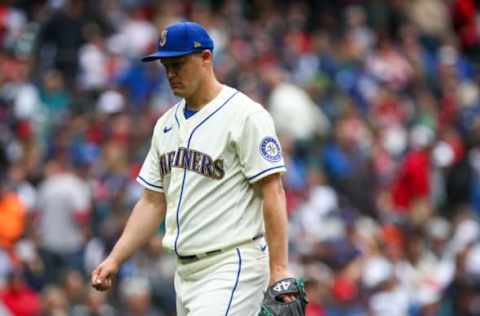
pixel 273 304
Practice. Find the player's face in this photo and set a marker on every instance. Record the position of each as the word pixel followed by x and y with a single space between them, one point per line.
pixel 184 73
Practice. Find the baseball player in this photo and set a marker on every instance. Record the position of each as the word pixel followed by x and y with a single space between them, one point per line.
pixel 213 173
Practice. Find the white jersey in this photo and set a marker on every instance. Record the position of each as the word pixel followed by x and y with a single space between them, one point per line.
pixel 205 165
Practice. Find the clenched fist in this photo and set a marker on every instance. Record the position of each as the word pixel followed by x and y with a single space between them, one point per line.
pixel 103 275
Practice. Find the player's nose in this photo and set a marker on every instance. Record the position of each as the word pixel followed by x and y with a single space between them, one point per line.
pixel 170 73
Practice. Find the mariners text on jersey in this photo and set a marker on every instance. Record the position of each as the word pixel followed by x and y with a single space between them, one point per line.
pixel 192 160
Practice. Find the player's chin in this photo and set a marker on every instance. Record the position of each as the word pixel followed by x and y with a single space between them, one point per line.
pixel 179 92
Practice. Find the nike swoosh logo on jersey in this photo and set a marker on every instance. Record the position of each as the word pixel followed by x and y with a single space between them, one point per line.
pixel 167 129
pixel 262 248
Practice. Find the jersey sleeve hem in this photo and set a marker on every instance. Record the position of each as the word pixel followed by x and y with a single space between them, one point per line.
pixel 148 185
pixel 267 172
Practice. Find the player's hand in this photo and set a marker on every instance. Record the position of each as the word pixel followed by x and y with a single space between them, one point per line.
pixel 277 275
pixel 103 275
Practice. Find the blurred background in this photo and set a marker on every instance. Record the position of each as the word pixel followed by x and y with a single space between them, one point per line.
pixel 376 103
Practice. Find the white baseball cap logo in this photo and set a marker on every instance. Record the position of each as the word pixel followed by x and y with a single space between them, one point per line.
pixel 163 38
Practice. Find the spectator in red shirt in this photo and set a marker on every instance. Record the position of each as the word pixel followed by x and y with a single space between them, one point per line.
pixel 411 189
pixel 464 13
pixel 18 298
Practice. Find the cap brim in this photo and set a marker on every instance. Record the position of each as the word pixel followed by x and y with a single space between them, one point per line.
pixel 166 54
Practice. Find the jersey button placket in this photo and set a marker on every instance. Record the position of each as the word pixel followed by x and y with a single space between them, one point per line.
pixel 183 133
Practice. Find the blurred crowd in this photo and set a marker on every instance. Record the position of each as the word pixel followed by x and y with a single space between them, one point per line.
pixel 377 105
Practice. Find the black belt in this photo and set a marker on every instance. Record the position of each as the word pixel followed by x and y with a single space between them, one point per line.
pixel 214 252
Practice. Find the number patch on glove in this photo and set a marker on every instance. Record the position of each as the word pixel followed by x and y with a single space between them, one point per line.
pixel 282 286
pixel 272 306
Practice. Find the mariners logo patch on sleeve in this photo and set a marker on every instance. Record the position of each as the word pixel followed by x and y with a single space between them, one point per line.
pixel 270 149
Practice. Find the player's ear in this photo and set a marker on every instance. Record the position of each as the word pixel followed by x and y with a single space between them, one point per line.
pixel 207 56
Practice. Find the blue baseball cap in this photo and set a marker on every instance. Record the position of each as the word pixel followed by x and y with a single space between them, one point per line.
pixel 180 39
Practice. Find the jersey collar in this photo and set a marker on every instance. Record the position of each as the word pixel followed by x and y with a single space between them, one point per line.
pixel 205 111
